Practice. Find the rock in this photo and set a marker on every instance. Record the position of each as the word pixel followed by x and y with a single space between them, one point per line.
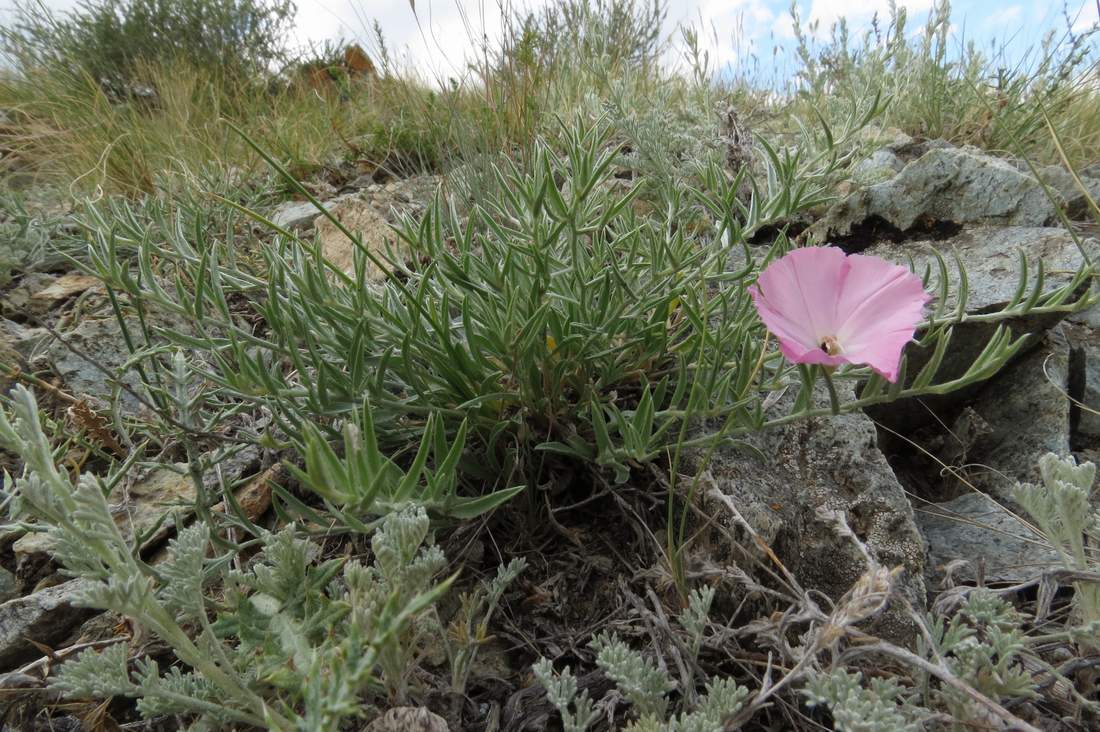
pixel 254 497
pixel 1085 385
pixel 19 301
pixel 408 719
pixel 977 529
pixel 10 355
pixel 65 287
pixel 1089 317
pixel 991 259
pixel 96 344
pixel 9 588
pixel 945 185
pixel 879 166
pixel 358 63
pixel 374 232
pixel 811 466
pixel 1026 414
pixel 33 561
pixel 20 339
pixel 294 216
pixel 1077 205
pixel 909 149
pixel 45 617
pixel 90 357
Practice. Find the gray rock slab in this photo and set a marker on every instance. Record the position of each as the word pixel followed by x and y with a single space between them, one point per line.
pixel 1077 200
pixel 96 353
pixel 989 538
pixel 947 184
pixel 822 464
pixel 46 616
pixel 295 215
pixel 1025 410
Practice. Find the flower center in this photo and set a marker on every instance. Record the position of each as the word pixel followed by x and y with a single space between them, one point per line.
pixel 831 345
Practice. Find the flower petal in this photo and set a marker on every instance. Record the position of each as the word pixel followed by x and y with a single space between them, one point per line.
pixel 796 296
pixel 880 306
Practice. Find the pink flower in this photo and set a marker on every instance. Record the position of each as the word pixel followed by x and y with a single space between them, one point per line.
pixel 830 308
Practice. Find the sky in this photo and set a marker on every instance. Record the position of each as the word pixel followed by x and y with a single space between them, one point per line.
pixel 737 34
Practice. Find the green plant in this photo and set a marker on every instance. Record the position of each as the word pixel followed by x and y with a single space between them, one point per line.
pixel 554 322
pixel 469 628
pixel 942 87
pixel 109 39
pixel 1063 509
pixel 364 482
pixel 577 713
pixel 28 240
pixel 880 705
pixel 293 644
pixel 983 646
pixel 646 686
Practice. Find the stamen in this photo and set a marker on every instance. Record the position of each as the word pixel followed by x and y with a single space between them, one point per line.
pixel 831 345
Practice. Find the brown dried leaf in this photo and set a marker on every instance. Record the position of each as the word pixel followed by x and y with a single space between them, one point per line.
pixel 96 426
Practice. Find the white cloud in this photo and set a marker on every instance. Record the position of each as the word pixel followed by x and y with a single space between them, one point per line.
pixel 857 12
pixel 1085 16
pixel 729 30
pixel 1009 15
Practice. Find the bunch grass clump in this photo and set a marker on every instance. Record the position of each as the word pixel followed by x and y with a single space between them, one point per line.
pixel 941 86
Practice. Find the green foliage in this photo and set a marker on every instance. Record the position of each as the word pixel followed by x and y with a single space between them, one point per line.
pixel 963 94
pixel 881 706
pixel 721 700
pixel 294 644
pixel 365 482
pixel 646 686
pixel 1067 517
pixel 983 644
pixel 982 647
pixel 550 322
pixel 109 39
pixel 640 680
pixel 469 628
pixel 403 569
pixel 577 712
pixel 29 239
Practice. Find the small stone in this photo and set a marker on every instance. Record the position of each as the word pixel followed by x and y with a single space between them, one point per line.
pixel 19 301
pixel 65 287
pixel 22 340
pixel 295 215
pixel 9 587
pixel 46 617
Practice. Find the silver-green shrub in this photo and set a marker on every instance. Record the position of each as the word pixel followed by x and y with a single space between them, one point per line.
pixel 293 643
pixel 1068 518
